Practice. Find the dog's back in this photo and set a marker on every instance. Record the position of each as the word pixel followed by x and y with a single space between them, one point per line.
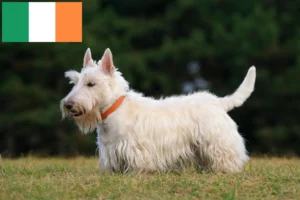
pixel 203 98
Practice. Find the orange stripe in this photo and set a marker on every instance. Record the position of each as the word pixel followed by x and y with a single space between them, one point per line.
pixel 68 21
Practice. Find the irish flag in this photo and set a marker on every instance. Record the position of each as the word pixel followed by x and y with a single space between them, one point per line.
pixel 41 22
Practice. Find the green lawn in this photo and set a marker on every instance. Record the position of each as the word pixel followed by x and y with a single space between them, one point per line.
pixel 79 178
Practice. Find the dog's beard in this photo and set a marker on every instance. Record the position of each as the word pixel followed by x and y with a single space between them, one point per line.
pixel 86 122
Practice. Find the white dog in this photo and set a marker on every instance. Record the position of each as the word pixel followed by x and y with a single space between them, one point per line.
pixel 142 134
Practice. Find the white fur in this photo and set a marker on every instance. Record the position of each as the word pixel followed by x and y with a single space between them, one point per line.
pixel 146 135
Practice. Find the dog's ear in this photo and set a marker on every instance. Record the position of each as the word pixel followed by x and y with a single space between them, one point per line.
pixel 107 62
pixel 87 57
pixel 73 76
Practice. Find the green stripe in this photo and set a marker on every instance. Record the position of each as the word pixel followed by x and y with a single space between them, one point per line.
pixel 15 22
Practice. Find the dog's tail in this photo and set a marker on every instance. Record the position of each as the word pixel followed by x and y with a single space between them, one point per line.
pixel 242 93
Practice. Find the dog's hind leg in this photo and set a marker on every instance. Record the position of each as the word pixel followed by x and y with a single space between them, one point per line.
pixel 219 145
pixel 224 155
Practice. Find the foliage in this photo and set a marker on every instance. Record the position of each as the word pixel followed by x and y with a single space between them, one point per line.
pixel 152 42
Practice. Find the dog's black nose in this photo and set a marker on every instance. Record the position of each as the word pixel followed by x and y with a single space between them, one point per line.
pixel 69 104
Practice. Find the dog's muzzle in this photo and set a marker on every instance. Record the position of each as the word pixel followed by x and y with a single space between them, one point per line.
pixel 69 105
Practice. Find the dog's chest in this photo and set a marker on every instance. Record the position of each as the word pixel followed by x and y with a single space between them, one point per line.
pixel 109 132
pixel 105 127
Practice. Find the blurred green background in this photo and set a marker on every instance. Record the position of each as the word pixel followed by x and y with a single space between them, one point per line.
pixel 162 47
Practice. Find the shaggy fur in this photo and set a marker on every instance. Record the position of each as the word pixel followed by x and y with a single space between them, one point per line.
pixel 147 135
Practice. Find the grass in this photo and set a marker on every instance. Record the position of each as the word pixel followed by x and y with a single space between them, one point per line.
pixel 79 178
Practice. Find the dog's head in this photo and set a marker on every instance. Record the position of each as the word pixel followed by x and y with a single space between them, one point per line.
pixel 95 88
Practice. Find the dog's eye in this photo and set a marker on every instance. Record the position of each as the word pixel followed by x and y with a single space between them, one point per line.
pixel 90 84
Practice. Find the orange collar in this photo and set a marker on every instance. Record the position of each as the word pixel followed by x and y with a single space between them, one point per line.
pixel 113 107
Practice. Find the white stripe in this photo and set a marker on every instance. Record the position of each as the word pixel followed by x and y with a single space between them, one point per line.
pixel 41 22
